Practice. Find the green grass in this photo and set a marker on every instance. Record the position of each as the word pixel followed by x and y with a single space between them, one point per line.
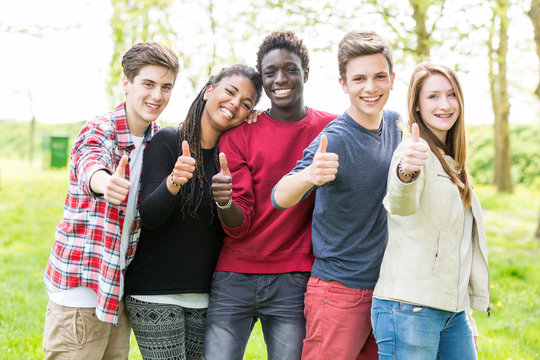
pixel 31 202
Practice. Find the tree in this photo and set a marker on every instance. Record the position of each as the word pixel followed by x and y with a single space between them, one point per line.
pixel 136 21
pixel 534 15
pixel 497 51
pixel 417 40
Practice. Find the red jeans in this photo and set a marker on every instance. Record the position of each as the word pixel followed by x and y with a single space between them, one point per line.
pixel 338 322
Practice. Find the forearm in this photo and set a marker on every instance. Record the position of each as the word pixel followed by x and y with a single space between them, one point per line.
pixel 291 189
pixel 231 217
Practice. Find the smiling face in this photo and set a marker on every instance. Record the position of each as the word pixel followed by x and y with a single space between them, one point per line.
pixel 283 78
pixel 438 105
pixel 146 96
pixel 368 83
pixel 228 103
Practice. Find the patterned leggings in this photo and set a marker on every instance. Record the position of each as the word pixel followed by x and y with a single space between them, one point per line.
pixel 166 331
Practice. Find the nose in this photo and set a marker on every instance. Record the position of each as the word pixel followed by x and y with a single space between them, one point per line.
pixel 235 101
pixel 156 93
pixel 444 103
pixel 280 77
pixel 371 85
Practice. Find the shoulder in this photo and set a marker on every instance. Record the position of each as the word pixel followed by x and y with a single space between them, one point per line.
pixel 322 115
pixel 166 133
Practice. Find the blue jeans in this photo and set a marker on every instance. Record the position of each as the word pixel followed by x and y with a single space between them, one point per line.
pixel 413 332
pixel 237 300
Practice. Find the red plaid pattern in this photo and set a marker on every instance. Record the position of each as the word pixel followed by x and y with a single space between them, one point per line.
pixel 86 251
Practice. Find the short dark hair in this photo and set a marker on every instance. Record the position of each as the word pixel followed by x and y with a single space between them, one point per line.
pixel 283 40
pixel 148 53
pixel 359 43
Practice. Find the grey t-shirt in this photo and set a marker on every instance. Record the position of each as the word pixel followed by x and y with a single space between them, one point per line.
pixel 349 229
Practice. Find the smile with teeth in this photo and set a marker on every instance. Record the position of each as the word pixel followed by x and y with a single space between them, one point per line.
pixel 371 99
pixel 444 116
pixel 226 112
pixel 152 106
pixel 282 91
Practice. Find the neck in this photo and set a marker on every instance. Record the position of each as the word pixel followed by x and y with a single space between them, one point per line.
pixel 209 136
pixel 368 122
pixel 293 113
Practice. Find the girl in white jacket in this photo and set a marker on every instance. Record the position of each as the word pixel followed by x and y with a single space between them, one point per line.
pixel 435 263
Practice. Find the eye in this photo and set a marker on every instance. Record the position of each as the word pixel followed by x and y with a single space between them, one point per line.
pixel 269 73
pixel 292 70
pixel 452 94
pixel 228 91
pixel 382 76
pixel 358 79
pixel 246 105
pixel 167 88
pixel 148 85
pixel 432 96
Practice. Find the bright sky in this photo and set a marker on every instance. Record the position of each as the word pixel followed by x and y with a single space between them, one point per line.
pixel 64 72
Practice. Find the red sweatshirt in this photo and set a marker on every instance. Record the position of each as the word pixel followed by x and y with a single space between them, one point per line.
pixel 268 241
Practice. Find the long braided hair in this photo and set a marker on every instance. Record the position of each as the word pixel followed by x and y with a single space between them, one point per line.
pixel 456 143
pixel 191 130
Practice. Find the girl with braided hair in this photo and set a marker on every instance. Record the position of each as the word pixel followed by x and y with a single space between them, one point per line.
pixel 168 281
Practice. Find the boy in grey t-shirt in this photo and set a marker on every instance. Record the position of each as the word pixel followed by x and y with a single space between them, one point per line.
pixel 347 164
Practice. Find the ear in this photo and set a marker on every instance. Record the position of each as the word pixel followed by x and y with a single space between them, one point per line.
pixel 343 84
pixel 392 81
pixel 207 92
pixel 125 84
pixel 306 75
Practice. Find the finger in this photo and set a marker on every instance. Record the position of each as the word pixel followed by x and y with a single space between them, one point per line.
pixel 415 133
pixel 121 168
pixel 224 165
pixel 322 144
pixel 185 149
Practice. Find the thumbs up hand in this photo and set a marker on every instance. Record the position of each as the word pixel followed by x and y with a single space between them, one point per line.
pixel 222 183
pixel 325 165
pixel 415 154
pixel 117 187
pixel 184 167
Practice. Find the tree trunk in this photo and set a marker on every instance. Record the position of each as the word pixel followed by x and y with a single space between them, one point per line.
pixel 499 96
pixel 422 35
pixel 534 14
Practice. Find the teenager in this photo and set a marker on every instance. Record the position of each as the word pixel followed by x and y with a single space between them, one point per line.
pixel 98 234
pixel 435 264
pixel 346 167
pixel 168 281
pixel 264 265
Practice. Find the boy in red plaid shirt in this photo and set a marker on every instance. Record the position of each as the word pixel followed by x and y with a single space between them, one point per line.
pixel 97 236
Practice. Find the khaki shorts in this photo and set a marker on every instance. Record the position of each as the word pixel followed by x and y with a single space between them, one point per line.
pixel 76 333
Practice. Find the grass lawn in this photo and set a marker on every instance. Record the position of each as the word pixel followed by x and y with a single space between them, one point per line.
pixel 31 202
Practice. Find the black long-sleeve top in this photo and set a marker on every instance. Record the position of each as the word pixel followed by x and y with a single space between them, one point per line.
pixel 175 255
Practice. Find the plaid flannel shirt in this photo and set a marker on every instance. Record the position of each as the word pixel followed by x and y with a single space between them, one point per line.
pixel 86 251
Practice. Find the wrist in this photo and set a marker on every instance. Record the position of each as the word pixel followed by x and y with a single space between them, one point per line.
pixel 226 206
pixel 408 175
pixel 171 179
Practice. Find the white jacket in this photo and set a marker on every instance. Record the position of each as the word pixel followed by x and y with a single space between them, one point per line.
pixel 425 225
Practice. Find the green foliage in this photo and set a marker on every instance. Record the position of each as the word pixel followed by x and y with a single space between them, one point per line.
pixel 525 145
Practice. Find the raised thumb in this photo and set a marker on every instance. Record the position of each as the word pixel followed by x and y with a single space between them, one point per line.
pixel 121 168
pixel 322 144
pixel 415 133
pixel 224 166
pixel 185 149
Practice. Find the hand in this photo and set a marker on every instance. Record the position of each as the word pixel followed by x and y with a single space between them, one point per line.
pixel 475 340
pixel 116 186
pixel 325 165
pixel 222 183
pixel 184 167
pixel 415 154
pixel 253 115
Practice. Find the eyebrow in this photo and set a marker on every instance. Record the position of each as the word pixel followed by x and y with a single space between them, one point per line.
pixel 153 82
